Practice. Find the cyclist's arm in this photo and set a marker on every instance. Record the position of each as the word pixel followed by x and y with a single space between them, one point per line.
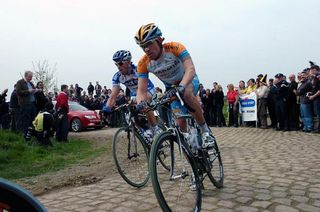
pixel 111 101
pixel 142 89
pixel 189 71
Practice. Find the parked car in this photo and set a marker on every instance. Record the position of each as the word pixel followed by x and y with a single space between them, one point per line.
pixel 80 117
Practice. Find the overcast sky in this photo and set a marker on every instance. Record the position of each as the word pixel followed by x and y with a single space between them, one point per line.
pixel 229 40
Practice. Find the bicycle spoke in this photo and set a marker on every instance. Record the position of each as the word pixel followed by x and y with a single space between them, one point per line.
pixel 131 158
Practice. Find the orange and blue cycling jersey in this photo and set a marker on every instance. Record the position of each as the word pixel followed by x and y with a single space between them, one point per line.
pixel 169 67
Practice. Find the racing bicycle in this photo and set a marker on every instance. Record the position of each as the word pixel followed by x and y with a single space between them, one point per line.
pixel 179 188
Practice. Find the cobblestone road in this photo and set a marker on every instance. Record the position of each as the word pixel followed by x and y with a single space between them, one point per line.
pixel 265 170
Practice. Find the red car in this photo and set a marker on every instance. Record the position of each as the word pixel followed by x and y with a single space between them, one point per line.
pixel 79 117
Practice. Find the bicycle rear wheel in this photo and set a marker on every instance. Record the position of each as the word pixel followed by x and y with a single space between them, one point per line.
pixel 180 191
pixel 131 157
pixel 216 173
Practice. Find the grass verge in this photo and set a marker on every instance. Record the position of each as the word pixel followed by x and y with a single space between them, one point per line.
pixel 19 159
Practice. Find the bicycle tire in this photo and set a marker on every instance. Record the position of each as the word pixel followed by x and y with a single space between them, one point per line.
pixel 16 198
pixel 135 178
pixel 168 204
pixel 216 172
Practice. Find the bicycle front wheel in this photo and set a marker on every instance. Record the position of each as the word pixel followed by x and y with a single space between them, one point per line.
pixel 131 157
pixel 177 189
pixel 216 173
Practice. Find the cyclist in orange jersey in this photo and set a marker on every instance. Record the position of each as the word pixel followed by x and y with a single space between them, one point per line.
pixel 172 64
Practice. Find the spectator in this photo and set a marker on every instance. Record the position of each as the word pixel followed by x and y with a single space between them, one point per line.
pixel 304 91
pixel 293 107
pixel 219 104
pixel 4 111
pixel 213 111
pixel 281 98
pixel 233 106
pixel 98 89
pixel 201 91
pixel 242 87
pixel 251 86
pixel 90 88
pixel 26 100
pixel 271 104
pixel 43 126
pixel 71 91
pixel 14 111
pixel 62 109
pixel 262 96
pixel 315 97
pixel 207 106
pixel 41 99
pixel 78 91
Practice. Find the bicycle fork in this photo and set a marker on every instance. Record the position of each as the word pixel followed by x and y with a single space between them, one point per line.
pixel 132 140
pixel 184 173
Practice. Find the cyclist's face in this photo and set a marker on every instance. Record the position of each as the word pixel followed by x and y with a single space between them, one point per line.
pixel 123 67
pixel 152 49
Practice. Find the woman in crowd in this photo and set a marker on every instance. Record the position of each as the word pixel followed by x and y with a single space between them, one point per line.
pixel 262 96
pixel 233 106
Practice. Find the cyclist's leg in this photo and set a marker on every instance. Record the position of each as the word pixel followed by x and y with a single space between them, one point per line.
pixel 191 99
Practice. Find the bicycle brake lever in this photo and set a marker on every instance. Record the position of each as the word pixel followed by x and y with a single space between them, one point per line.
pixel 179 97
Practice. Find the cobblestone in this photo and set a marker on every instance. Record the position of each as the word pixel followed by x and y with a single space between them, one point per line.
pixel 265 170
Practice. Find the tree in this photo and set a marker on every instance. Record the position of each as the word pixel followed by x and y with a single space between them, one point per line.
pixel 43 72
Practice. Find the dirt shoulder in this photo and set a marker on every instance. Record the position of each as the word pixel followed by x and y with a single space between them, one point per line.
pixel 84 173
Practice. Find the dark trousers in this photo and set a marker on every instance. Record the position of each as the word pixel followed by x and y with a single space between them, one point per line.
pixel 220 118
pixel 62 128
pixel 213 116
pixel 272 113
pixel 15 119
pixel 262 112
pixel 233 115
pixel 282 114
pixel 316 109
pixel 293 115
pixel 27 115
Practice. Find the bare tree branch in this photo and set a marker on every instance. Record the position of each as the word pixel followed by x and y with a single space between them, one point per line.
pixel 43 72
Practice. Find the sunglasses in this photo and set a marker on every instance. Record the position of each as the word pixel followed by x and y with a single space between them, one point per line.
pixel 119 63
pixel 147 44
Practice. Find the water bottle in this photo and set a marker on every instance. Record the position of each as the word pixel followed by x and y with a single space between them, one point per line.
pixel 196 139
pixel 192 139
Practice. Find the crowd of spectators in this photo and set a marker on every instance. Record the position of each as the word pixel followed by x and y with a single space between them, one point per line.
pixel 282 103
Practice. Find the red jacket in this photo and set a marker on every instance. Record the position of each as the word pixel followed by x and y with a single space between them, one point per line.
pixel 62 102
pixel 232 96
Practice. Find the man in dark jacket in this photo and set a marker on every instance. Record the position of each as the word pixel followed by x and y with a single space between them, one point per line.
pixel 281 102
pixel 26 100
pixel 90 88
pixel 293 107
